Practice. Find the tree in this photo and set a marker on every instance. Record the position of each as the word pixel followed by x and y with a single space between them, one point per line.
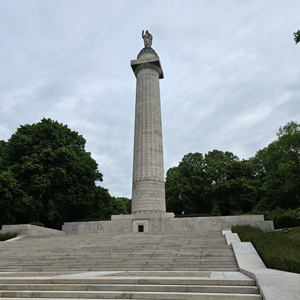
pixel 10 196
pixel 2 155
pixel 297 36
pixel 214 183
pixel 119 205
pixel 279 168
pixel 186 186
pixel 48 168
pixel 232 187
pixel 220 182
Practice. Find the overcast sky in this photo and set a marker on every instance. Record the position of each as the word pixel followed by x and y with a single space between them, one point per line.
pixel 232 73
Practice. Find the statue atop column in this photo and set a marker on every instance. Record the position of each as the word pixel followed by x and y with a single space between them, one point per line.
pixel 147 37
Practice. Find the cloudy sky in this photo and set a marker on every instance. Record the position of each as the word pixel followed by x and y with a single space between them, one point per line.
pixel 232 73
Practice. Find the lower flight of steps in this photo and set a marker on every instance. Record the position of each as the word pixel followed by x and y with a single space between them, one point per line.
pixel 182 251
pixel 134 287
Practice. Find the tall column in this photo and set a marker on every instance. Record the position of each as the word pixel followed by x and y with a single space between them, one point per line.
pixel 148 189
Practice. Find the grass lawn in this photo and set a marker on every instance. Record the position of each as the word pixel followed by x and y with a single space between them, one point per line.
pixel 277 249
pixel 7 236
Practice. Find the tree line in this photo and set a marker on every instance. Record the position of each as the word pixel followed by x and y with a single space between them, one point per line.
pixel 47 176
pixel 219 183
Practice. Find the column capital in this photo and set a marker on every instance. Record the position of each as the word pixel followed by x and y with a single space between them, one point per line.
pixel 147 62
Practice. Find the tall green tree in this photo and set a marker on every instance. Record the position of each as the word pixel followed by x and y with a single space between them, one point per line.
pixel 215 182
pixel 11 198
pixel 119 205
pixel 278 165
pixel 186 186
pixel 233 187
pixel 51 171
pixel 105 205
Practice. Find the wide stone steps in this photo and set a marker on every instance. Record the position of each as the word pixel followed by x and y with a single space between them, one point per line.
pixel 140 252
pixel 126 295
pixel 175 266
pixel 128 288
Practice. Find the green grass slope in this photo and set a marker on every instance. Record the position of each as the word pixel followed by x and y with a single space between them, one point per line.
pixel 279 250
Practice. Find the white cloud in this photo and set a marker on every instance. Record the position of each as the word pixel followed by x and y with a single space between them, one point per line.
pixel 231 73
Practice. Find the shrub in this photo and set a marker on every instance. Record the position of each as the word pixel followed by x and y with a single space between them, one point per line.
pixel 216 210
pixel 274 214
pixel 285 221
pixel 37 224
pixel 7 236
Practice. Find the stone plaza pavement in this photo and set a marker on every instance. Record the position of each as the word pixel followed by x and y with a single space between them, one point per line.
pixel 182 265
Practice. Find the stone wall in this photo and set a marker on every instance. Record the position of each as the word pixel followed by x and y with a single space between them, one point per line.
pixel 163 223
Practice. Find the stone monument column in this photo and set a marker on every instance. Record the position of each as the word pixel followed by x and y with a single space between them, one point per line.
pixel 148 189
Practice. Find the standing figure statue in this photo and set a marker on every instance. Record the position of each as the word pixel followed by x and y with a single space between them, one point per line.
pixel 147 37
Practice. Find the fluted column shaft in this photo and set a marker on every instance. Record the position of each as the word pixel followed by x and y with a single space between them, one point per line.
pixel 148 190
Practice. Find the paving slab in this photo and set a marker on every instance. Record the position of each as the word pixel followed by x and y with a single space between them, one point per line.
pixel 276 285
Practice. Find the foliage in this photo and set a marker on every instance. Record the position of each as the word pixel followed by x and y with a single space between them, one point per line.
pixel 7 236
pixel 217 183
pixel 215 210
pixel 277 249
pixel 12 198
pixel 46 175
pixel 105 205
pixel 297 36
pixel 233 186
pixel 278 168
pixel 285 221
pixel 185 186
pixel 220 183
pixel 120 205
pixel 37 224
pixel 273 215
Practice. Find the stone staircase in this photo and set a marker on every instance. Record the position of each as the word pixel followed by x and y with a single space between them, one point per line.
pixel 182 265
pixel 130 288
pixel 128 252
